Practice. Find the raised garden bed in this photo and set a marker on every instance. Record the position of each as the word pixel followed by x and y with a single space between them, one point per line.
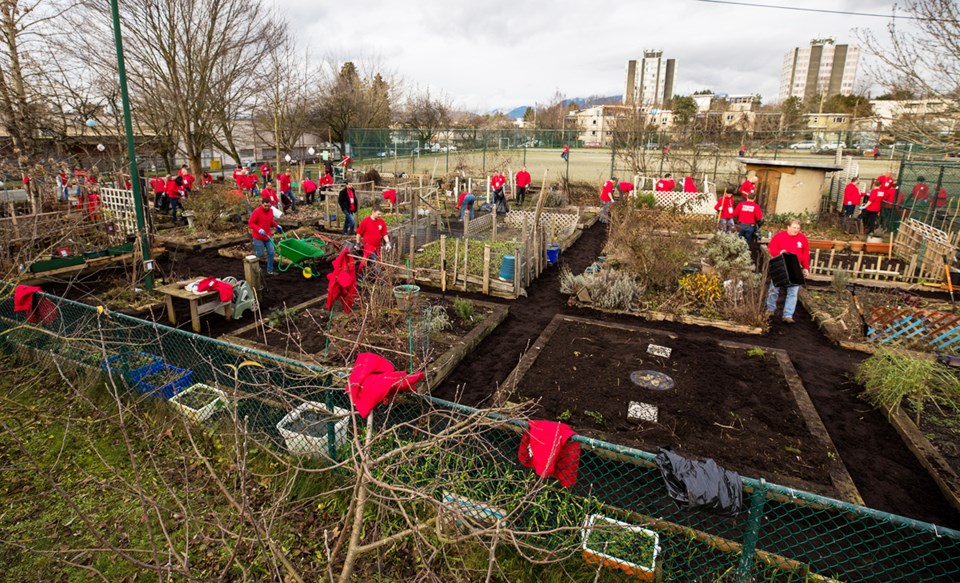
pixel 743 406
pixel 301 333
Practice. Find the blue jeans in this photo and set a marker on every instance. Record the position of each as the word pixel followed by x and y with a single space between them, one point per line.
pixel 64 193
pixel 293 199
pixel 261 247
pixel 467 203
pixel 747 231
pixel 789 304
pixel 349 226
pixel 174 205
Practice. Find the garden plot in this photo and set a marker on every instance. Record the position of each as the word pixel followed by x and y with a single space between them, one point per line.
pixel 434 335
pixel 745 407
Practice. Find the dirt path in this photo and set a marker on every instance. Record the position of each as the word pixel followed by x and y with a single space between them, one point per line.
pixel 887 475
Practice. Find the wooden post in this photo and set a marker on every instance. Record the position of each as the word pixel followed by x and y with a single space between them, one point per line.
pixel 488 189
pixel 466 261
pixel 890 250
pixel 856 270
pixel 516 272
pixel 443 263
pixel 466 221
pixel 456 260
pixel 486 269
pixel 456 186
pixel 816 257
pixel 493 224
pixel 253 275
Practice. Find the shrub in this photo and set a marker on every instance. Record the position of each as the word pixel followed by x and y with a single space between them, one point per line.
pixel 463 309
pixel 646 200
pixel 654 258
pixel 610 289
pixel 729 254
pixel 841 279
pixel 438 321
pixel 214 207
pixel 705 290
pixel 890 376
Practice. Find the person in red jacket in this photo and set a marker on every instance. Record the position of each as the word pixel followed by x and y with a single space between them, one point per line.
pixel 749 217
pixel 173 195
pixel 851 196
pixel 372 232
pixel 267 172
pixel 749 186
pixel 206 179
pixel 188 180
pixel 941 198
pixel 159 186
pixel 724 208
pixel 93 207
pixel 789 241
pixel 309 190
pixel 286 191
pixel 326 184
pixel 566 153
pixel 260 223
pixel 921 190
pixel 270 194
pixel 464 202
pixel 523 181
pixel 624 188
pixel 238 176
pixel 606 199
pixel 871 210
pixel 497 182
pixel 665 184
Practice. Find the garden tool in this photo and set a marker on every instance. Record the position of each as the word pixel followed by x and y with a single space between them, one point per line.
pixel 856 302
pixel 949 284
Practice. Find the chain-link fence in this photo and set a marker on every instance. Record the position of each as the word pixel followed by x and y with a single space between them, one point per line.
pixel 784 535
pixel 928 191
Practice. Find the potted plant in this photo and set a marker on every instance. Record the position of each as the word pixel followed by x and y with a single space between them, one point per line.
pixel 306 429
pixel 199 402
pixel 856 246
pixel 840 245
pixel 620 545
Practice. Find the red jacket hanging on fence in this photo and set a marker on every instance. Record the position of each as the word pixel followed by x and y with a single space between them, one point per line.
pixel 342 281
pixel 689 186
pixel 546 447
pixel 374 379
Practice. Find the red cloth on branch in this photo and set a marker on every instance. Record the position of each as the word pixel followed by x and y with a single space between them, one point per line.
pixel 688 184
pixel 23 297
pixel 224 288
pixel 374 379
pixel 546 447
pixel 342 281
pixel 390 195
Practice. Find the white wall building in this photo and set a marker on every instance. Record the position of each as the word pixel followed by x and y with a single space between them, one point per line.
pixel 649 80
pixel 823 68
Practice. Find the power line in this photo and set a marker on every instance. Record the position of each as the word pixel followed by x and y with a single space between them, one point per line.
pixel 821 10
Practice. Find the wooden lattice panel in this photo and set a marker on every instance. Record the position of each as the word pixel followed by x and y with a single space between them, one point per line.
pixel 483 222
pixel 118 206
pixel 698 203
pixel 909 326
pixel 924 248
pixel 556 225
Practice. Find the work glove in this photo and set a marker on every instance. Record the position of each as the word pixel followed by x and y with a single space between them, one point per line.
pixel 388 246
pixel 279 229
pixel 262 232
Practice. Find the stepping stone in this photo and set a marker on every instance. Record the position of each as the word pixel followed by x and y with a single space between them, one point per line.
pixel 657 350
pixel 642 412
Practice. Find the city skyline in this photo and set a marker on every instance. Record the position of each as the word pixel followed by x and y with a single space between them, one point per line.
pixel 501 55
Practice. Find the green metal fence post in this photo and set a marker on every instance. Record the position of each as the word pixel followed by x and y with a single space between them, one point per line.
pixel 752 533
pixel 484 134
pixel 447 149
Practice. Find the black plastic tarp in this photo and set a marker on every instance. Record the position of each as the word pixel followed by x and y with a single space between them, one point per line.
pixel 700 485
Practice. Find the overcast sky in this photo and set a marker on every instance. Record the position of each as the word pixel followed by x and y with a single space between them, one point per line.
pixel 502 54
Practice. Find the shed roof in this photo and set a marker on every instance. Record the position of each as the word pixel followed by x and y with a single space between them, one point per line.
pixel 789 164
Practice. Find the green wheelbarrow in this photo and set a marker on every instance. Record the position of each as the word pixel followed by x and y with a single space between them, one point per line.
pixel 304 253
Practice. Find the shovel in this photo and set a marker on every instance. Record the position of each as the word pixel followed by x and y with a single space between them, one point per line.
pixel 949 284
pixel 865 329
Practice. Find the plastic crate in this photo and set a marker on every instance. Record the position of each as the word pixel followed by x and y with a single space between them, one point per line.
pixel 115 363
pixel 205 412
pixel 308 445
pixel 182 378
pixel 785 270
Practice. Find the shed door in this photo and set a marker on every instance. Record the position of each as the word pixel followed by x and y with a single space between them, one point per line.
pixel 768 187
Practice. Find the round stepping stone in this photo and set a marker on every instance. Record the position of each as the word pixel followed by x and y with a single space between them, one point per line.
pixel 651 379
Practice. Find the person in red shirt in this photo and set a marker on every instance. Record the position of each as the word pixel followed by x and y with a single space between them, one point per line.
pixel 26 183
pixel 159 186
pixel 260 222
pixel 749 216
pixel 851 196
pixel 63 186
pixel 871 209
pixel 286 191
pixel 497 182
pixel 326 183
pixel 625 188
pixel 309 190
pixel 941 198
pixel 749 186
pixel 665 184
pixel 238 176
pixel 724 208
pixel 464 202
pixel 173 195
pixel 346 161
pixel 270 194
pixel 606 199
pixel 789 241
pixel 188 180
pixel 523 181
pixel 184 170
pixel 267 172
pixel 372 232
pixel 921 190
pixel 93 207
pixel 206 179
pixel 566 153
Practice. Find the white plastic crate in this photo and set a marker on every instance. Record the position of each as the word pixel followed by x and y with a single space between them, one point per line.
pixel 203 413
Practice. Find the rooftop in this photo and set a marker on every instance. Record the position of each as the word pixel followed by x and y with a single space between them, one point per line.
pixel 789 164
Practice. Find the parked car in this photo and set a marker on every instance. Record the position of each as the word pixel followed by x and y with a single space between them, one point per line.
pixel 386 154
pixel 833 146
pixel 804 145
pixel 651 146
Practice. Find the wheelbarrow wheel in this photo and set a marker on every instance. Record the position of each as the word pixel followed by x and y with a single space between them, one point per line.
pixel 307 272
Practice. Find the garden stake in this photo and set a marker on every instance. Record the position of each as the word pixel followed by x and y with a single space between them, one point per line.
pixel 946 269
pixel 326 344
pixel 856 302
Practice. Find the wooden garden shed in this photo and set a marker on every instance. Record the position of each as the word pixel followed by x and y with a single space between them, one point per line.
pixel 787 186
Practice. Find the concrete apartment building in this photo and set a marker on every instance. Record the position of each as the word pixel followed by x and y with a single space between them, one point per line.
pixel 823 68
pixel 649 80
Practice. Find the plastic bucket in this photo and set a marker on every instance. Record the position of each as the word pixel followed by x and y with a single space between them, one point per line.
pixel 406 296
pixel 553 254
pixel 507 267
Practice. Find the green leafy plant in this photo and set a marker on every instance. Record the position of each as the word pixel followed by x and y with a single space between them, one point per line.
pixel 756 352
pixel 729 254
pixel 705 290
pixel 596 416
pixel 646 200
pixel 277 317
pixel 565 416
pixel 464 309
pixel 438 322
pixel 840 281
pixel 890 376
pixel 612 289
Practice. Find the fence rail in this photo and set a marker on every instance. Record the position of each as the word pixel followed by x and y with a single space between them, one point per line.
pixel 786 534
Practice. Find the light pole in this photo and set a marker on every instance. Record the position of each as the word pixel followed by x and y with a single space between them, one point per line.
pixel 131 151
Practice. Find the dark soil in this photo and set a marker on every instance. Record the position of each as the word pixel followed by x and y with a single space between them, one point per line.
pixel 887 475
pixel 725 405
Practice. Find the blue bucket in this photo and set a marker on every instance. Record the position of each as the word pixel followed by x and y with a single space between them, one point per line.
pixel 553 253
pixel 507 267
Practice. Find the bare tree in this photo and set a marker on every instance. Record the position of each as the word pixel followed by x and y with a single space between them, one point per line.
pixel 426 115
pixel 351 99
pixel 923 61
pixel 282 107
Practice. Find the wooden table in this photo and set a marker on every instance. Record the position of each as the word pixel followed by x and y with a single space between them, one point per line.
pixel 178 290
